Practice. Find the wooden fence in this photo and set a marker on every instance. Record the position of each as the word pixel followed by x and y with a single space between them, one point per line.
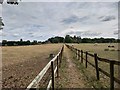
pixel 79 55
pixel 35 83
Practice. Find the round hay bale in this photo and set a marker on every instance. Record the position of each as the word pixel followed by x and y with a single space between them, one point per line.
pixel 96 44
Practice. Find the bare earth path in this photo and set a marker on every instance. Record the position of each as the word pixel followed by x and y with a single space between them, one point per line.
pixel 70 76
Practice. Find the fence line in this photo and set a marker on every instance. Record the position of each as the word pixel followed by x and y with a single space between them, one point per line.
pixel 35 82
pixel 79 53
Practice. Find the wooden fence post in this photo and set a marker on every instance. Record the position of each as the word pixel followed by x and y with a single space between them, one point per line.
pixel 96 66
pixel 60 60
pixel 60 57
pixel 86 59
pixel 62 53
pixel 81 56
pixel 112 75
pixel 74 50
pixel 78 54
pixel 57 67
pixel 52 72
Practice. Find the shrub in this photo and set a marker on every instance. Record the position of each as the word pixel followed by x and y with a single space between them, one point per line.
pixel 106 49
pixel 112 50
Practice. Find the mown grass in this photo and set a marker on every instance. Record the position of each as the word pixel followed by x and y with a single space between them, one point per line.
pixel 59 82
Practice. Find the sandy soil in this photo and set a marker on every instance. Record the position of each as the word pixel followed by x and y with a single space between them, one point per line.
pixel 21 64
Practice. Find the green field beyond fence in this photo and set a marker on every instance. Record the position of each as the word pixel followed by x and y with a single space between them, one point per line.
pixel 103 66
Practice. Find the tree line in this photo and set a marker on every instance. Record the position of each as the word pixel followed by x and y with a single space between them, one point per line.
pixel 19 43
pixel 57 39
pixel 78 39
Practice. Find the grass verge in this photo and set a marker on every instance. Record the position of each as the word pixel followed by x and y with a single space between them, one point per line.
pixel 88 74
pixel 62 80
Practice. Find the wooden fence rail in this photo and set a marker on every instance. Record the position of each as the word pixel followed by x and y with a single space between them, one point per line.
pixel 96 66
pixel 35 83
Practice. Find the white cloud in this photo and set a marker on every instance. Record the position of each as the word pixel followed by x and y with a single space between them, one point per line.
pixel 43 20
pixel 70 0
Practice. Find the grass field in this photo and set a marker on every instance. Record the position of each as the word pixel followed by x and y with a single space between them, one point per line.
pixel 21 64
pixel 112 54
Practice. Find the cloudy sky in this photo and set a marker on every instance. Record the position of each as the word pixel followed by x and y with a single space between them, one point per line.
pixel 41 20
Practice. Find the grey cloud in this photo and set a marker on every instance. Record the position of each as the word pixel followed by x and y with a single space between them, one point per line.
pixel 36 19
pixel 90 33
pixel 117 32
pixel 35 35
pixel 84 18
pixel 37 26
pixel 30 33
pixel 75 32
pixel 3 34
pixel 74 19
pixel 107 18
pixel 32 36
pixel 84 33
pixel 70 20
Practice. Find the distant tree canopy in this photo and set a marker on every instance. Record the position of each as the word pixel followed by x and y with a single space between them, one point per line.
pixel 70 39
pixel 19 43
pixel 78 39
pixel 57 39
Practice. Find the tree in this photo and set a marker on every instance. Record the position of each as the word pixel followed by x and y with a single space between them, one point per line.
pixel 28 42
pixel 68 39
pixel 15 2
pixel 4 42
pixel 1 1
pixel 79 39
pixel 21 40
pixel 34 42
pixel 1 23
pixel 56 39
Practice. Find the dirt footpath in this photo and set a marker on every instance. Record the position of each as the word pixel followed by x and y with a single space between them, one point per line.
pixel 70 76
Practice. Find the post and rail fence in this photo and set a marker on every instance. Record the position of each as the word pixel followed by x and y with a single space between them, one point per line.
pixel 112 63
pixel 52 63
pixel 79 54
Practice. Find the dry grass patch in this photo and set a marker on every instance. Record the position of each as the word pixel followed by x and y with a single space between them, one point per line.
pixel 21 64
